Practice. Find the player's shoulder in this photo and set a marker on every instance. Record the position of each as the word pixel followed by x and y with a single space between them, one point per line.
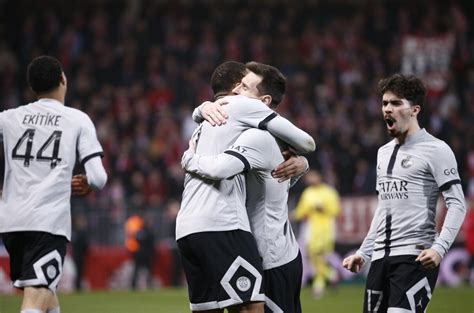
pixel 242 103
pixel 433 144
pixel 76 113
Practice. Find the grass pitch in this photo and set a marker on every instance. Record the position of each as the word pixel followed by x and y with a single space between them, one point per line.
pixel 345 299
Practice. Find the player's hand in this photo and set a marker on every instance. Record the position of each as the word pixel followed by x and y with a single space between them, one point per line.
pixel 293 166
pixel 429 258
pixel 214 113
pixel 80 186
pixel 353 263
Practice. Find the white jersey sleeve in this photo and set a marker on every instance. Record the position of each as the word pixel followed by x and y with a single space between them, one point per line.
pixel 248 152
pixel 88 145
pixel 445 171
pixel 254 113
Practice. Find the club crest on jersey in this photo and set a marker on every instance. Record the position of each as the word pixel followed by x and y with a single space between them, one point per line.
pixel 243 283
pixel 407 162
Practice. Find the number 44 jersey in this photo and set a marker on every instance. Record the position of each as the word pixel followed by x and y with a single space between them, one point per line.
pixel 41 141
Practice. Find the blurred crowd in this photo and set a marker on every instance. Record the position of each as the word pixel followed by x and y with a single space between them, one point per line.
pixel 138 68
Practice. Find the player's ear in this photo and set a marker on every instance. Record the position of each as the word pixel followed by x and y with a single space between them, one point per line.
pixel 267 99
pixel 63 79
pixel 416 109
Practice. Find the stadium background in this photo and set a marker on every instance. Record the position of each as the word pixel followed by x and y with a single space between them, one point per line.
pixel 138 68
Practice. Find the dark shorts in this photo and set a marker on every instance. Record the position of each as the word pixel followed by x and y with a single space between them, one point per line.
pixel 283 287
pixel 36 258
pixel 222 269
pixel 399 282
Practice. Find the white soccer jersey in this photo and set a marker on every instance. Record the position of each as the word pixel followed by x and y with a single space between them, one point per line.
pixel 41 141
pixel 258 153
pixel 209 205
pixel 410 178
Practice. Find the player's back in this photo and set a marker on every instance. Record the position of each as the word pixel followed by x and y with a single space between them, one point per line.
pixel 217 206
pixel 40 141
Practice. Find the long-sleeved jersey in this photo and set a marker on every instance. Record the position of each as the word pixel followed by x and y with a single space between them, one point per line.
pixel 410 178
pixel 41 141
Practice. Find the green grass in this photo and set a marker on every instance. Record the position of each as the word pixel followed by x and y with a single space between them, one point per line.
pixel 346 299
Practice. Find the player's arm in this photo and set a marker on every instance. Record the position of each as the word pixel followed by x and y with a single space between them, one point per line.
pixel 445 171
pixel 215 167
pixel 94 179
pixel 246 153
pixel 90 153
pixel 256 114
pixel 294 167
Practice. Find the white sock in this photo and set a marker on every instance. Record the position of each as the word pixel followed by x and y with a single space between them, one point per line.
pixel 55 310
pixel 31 311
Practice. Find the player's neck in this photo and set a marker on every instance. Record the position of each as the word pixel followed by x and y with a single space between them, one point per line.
pixel 52 95
pixel 411 131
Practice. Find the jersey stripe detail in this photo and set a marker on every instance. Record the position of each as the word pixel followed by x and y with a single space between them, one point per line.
pixel 263 124
pixel 447 185
pixel 392 160
pixel 241 158
pixel 90 156
pixel 388 233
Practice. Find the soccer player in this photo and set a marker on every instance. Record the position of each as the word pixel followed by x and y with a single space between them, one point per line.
pixel 219 254
pixel 41 141
pixel 319 205
pixel 412 170
pixel 258 153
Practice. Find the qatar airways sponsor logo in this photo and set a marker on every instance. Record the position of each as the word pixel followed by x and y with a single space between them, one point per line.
pixel 394 189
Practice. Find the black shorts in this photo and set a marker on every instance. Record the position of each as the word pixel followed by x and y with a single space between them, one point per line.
pixel 283 287
pixel 36 258
pixel 399 282
pixel 222 269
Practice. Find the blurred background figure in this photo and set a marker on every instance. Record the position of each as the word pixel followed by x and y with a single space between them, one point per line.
pixel 140 244
pixel 319 205
pixel 80 248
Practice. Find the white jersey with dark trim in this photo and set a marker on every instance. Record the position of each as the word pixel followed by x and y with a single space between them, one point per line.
pixel 410 178
pixel 267 199
pixel 41 141
pixel 256 153
pixel 209 205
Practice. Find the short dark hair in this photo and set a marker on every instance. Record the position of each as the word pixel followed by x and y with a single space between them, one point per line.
pixel 44 74
pixel 273 81
pixel 226 76
pixel 408 87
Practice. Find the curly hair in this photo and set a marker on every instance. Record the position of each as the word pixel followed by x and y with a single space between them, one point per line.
pixel 408 87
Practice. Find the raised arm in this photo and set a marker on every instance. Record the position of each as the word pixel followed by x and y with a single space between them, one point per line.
pixel 255 114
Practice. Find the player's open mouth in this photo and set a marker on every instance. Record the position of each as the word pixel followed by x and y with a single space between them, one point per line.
pixel 390 122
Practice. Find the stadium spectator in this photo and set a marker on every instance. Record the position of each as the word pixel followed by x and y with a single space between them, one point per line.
pixel 412 170
pixel 319 205
pixel 42 141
